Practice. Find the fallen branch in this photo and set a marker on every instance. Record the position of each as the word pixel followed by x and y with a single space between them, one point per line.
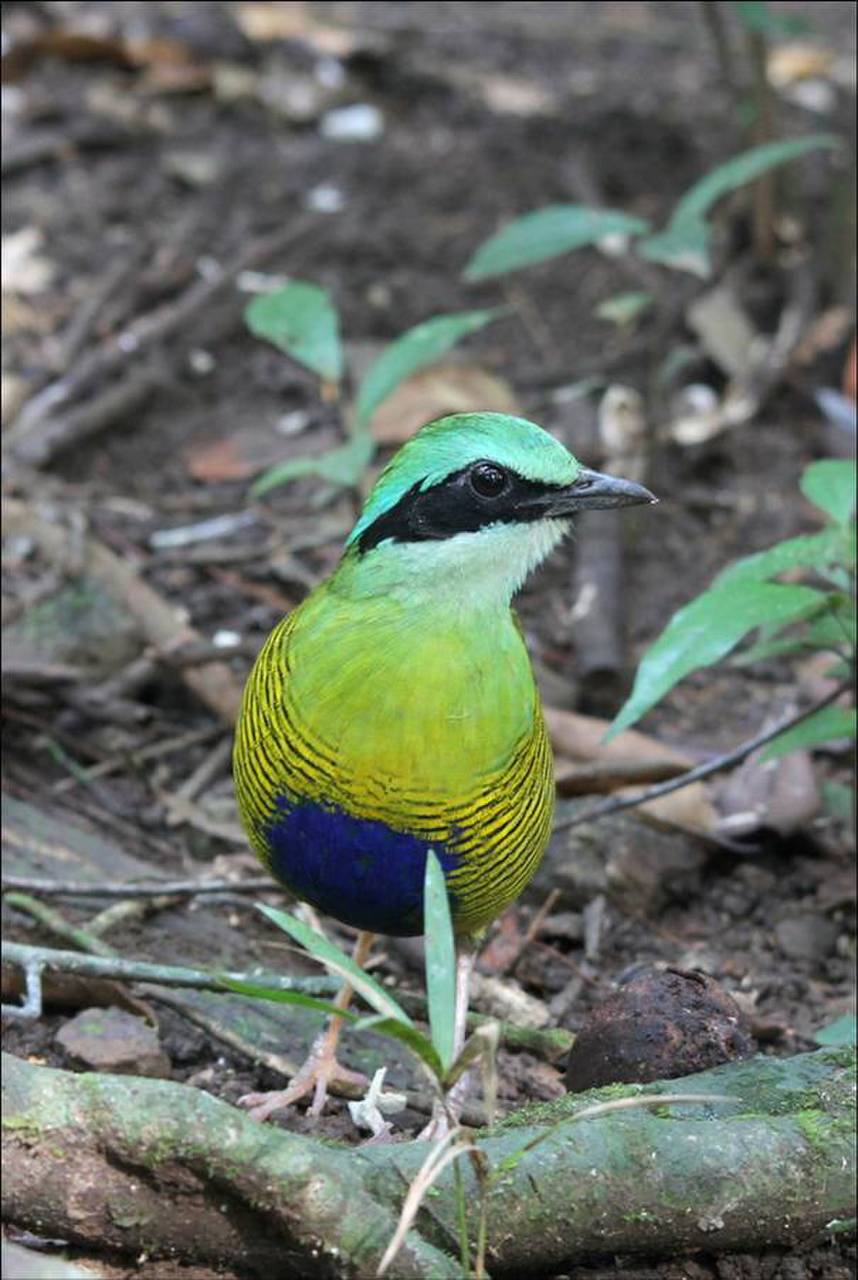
pixel 726 761
pixel 95 1159
pixel 550 1043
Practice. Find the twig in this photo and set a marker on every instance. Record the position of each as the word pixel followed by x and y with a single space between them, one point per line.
pixel 55 435
pixel 59 926
pixel 725 761
pixel 39 434
pixel 154 750
pixel 129 889
pixel 93 966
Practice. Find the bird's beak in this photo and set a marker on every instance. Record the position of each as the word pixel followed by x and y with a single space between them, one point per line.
pixel 592 490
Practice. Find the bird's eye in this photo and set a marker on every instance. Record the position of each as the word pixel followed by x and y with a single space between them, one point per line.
pixel 487 480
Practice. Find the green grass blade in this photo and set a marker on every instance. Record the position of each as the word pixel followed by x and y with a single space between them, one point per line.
pixel 412 1037
pixel 278 996
pixel 440 960
pixel 333 958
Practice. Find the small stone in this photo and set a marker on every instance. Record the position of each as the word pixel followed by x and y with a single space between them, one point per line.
pixel 112 1040
pixel 806 937
pixel 361 122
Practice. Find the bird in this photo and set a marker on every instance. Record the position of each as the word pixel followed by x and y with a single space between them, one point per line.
pixel 395 710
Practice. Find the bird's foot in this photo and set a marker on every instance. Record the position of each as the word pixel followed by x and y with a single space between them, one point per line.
pixel 319 1073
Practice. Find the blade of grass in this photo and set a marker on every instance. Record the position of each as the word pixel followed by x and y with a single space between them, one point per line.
pixel 261 992
pixel 440 961
pixel 331 956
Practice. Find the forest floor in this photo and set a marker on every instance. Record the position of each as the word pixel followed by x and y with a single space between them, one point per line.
pixel 175 161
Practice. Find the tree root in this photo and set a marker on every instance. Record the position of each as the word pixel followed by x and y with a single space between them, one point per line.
pixel 138 1164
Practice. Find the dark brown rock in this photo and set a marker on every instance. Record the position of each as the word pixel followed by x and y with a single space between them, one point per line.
pixel 659 1025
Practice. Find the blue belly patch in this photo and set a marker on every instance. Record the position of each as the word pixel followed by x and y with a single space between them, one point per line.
pixel 358 870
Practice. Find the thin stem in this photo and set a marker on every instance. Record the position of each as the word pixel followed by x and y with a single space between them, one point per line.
pixel 92 966
pixel 130 889
pixel 461 1217
pixel 725 761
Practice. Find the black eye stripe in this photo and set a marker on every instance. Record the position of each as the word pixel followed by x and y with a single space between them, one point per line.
pixel 456 505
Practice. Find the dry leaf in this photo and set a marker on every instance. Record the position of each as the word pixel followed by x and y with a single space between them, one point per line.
pixel 580 738
pixel 779 795
pixel 797 60
pixel 294 21
pixel 432 393
pixel 689 808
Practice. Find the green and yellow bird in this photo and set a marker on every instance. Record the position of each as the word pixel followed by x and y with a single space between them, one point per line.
pixel 395 710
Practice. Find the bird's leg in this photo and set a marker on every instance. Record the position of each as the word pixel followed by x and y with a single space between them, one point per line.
pixel 451 1107
pixel 321 1066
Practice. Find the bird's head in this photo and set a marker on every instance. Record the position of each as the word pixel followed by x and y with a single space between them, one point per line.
pixel 472 503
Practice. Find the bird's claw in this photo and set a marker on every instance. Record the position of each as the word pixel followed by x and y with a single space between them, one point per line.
pixel 319 1073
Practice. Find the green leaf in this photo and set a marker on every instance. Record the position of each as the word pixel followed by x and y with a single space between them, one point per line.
pixel 301 320
pixel 839 801
pixel 824 726
pixel 333 958
pixel 759 17
pixel 835 629
pixel 624 308
pixel 418 347
pixel 703 632
pixel 410 1036
pixel 838 1034
pixel 781 647
pixel 684 243
pixel 344 466
pixel 440 960
pixel 830 485
pixel 544 234
pixel 278 996
pixel 744 168
pixel 808 551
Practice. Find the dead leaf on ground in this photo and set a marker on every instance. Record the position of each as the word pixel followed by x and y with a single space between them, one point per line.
pixel 642 758
pixel 797 60
pixel 580 737
pixel 442 389
pixel 294 21
pixel 244 454
pixel 689 808
pixel 777 795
